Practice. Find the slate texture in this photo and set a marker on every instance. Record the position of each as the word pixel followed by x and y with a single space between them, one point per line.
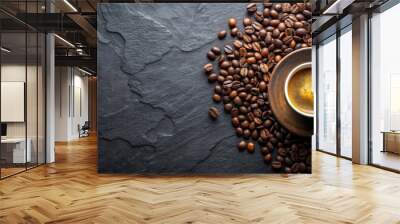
pixel 153 96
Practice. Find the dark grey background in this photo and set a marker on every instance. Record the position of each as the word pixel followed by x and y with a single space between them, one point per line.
pixel 153 95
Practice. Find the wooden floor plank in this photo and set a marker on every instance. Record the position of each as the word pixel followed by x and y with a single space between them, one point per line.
pixel 71 191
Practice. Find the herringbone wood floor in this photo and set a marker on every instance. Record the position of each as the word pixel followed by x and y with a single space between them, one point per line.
pixel 71 191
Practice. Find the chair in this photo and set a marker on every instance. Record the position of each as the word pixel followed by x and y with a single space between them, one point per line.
pixel 84 130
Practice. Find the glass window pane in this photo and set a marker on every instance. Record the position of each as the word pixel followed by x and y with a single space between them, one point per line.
pixel 13 86
pixel 346 92
pixel 385 104
pixel 327 95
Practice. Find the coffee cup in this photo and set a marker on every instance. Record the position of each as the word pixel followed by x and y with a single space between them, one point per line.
pixel 298 90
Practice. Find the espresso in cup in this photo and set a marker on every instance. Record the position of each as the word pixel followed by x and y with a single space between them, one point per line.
pixel 298 90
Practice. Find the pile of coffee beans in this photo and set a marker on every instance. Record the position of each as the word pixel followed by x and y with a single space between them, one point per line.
pixel 242 74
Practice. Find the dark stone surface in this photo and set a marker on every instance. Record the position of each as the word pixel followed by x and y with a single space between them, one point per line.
pixel 154 97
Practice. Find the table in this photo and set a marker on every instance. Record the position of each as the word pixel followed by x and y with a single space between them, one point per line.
pixel 391 141
pixel 16 147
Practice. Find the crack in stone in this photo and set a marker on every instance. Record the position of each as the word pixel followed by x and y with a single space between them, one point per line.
pixel 198 163
pixel 154 148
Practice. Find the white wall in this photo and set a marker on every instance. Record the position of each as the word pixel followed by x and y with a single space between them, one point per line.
pixel 71 102
pixel 33 127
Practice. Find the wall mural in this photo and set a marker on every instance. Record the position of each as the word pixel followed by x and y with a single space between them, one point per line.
pixel 205 88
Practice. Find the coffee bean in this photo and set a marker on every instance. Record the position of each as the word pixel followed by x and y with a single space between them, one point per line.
pixel 242 145
pixel 208 68
pixel 276 165
pixel 268 123
pixel 301 31
pixel 216 98
pixel 264 150
pixel 228 49
pixel 274 14
pixel 249 30
pixel 216 50
pixel 228 107
pixel 247 21
pixel 213 113
pixel 244 124
pixel 268 157
pixel 237 101
pixel 233 94
pixel 225 65
pixel 234 32
pixel 211 56
pixel 246 133
pixel 250 147
pixel 278 7
pixel 257 26
pixel 239 131
pixel 237 44
pixel 252 8
pixel 218 89
pixel 235 122
pixel 232 22
pixel 282 152
pixel 251 60
pixel 212 77
pixel 222 34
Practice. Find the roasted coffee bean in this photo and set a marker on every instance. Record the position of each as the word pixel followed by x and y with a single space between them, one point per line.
pixel 274 14
pixel 264 150
pixel 211 56
pixel 254 133
pixel 237 44
pixel 268 157
pixel 276 165
pixel 278 7
pixel 252 8
pixel 222 34
pixel 246 133
pixel 220 78
pixel 239 131
pixel 225 64
pixel 250 147
pixel 249 30
pixel 243 109
pixel 232 22
pixel 208 68
pixel 257 26
pixel 258 17
pixel 237 101
pixel 217 98
pixel 251 60
pixel 247 21
pixel 301 31
pixel 268 123
pixel 228 49
pixel 282 152
pixel 228 107
pixel 286 7
pixel 242 145
pixel 212 77
pixel 244 124
pixel 235 121
pixel 234 32
pixel 213 112
pixel 218 89
pixel 216 50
